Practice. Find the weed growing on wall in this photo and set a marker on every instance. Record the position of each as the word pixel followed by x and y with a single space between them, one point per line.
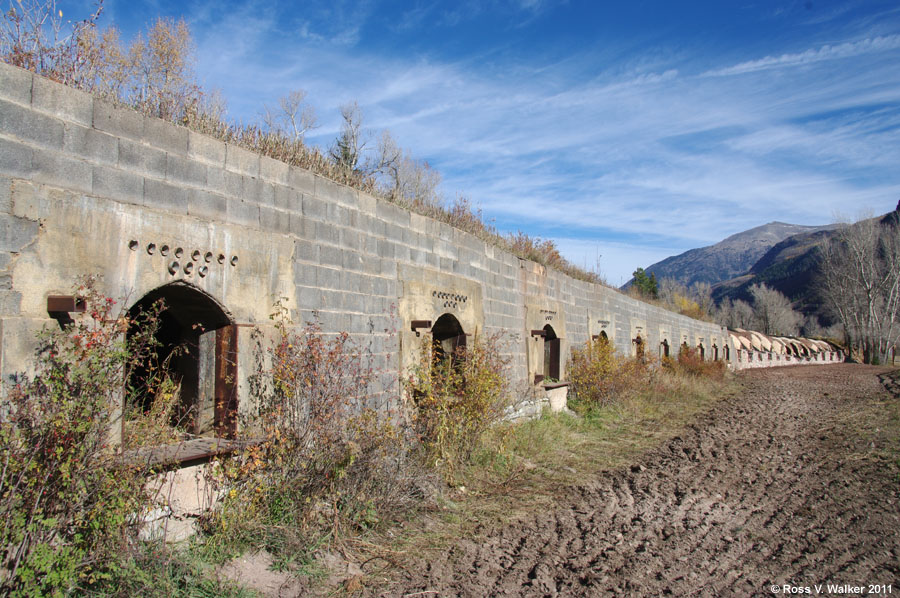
pixel 322 464
pixel 69 510
pixel 455 399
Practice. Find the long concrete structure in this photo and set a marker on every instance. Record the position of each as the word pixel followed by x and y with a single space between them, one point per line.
pixel 221 234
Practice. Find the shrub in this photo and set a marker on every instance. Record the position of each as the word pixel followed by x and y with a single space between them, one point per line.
pixel 599 376
pixel 455 400
pixel 321 462
pixel 690 363
pixel 67 508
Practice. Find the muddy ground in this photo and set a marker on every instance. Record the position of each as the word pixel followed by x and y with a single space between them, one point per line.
pixel 794 481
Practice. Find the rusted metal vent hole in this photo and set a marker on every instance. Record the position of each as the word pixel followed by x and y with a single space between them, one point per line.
pixel 208 257
pixel 234 260
pixel 173 267
pixel 203 271
pixel 133 245
pixel 189 267
pixel 151 248
pixel 164 250
pixel 221 258
pixel 195 255
pixel 179 252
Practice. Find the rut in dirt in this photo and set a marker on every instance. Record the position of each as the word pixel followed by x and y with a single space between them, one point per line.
pixel 771 487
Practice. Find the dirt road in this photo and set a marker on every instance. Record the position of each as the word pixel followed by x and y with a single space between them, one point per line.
pixel 793 483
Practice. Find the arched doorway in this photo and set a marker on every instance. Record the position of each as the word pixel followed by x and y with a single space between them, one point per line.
pixel 198 351
pixel 664 348
pixel 448 339
pixel 638 347
pixel 702 350
pixel 715 349
pixel 551 354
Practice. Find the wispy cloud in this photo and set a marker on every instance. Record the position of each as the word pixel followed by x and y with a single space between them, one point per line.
pixel 813 55
pixel 631 151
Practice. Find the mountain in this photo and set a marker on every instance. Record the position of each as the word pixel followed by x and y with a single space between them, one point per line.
pixel 729 258
pixel 791 267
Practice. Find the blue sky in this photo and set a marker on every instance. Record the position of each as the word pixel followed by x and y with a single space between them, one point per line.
pixel 629 130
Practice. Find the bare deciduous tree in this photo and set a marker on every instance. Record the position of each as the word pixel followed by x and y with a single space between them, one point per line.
pixel 773 312
pixel 861 284
pixel 293 117
pixel 735 314
pixel 348 147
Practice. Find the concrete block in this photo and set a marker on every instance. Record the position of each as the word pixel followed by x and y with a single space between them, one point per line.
pixel 306 251
pixel 5 192
pixel 166 136
pixel 358 283
pixel 15 158
pixel 337 214
pixel 89 143
pixel 242 212
pixel 352 260
pixel 350 239
pixel 336 193
pixel 27 202
pixel 328 278
pixel 401 253
pixel 367 204
pixel 303 227
pixel 258 191
pixel 62 101
pixel 15 84
pixel 392 213
pixel 330 256
pixel 222 181
pixel 16 233
pixel 334 300
pixel 10 303
pixel 274 221
pixel 287 198
pixel 241 161
pixel 120 185
pixel 144 160
pixel 206 149
pixel 302 180
pixel 371 225
pixel 118 121
pixel 313 207
pixel 394 232
pixel 207 206
pixel 165 196
pixel 356 302
pixel 304 274
pixel 30 126
pixel 60 170
pixel 274 171
pixel 327 233
pixel 309 298
pixel 389 268
pixel 181 170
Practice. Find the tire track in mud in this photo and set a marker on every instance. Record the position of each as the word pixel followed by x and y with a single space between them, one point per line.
pixel 770 487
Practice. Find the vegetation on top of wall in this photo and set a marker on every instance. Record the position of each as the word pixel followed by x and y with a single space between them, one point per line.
pixel 154 74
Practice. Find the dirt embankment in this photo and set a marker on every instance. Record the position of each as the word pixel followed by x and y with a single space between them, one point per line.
pixel 793 482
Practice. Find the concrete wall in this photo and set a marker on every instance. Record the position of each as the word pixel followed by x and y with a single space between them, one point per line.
pixel 87 188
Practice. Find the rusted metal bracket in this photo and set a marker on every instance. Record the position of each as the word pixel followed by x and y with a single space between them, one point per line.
pixel 60 306
pixel 415 325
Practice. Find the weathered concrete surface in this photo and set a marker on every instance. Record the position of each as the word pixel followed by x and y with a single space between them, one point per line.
pixel 88 188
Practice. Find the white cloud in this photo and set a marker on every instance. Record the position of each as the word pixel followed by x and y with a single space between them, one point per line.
pixel 826 52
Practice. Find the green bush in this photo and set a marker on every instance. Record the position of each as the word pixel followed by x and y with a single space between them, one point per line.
pixel 599 376
pixel 68 510
pixel 455 400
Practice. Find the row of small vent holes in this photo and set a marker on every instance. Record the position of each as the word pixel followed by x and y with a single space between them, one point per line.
pixel 188 268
